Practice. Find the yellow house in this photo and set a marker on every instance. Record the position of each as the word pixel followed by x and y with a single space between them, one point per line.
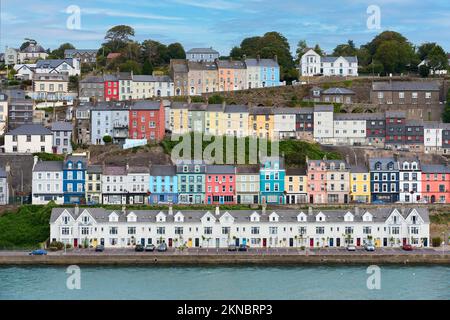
pixel 235 120
pixel 214 120
pixel 295 185
pixel 360 184
pixel 261 122
pixel 178 120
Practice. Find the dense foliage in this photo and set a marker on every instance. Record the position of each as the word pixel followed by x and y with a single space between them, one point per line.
pixel 25 228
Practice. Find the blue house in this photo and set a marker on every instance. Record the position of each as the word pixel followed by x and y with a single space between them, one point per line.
pixel 272 173
pixel 384 180
pixel 266 72
pixel 163 184
pixel 74 177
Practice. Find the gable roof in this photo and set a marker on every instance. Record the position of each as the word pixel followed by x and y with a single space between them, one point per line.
pixel 338 91
pixel 202 50
pixel 48 166
pixel 30 129
pixel 62 126
pixel 261 63
pixel 405 86
pixel 52 63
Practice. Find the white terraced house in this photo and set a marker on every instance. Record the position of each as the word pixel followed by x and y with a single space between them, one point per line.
pixel 385 227
pixel 312 64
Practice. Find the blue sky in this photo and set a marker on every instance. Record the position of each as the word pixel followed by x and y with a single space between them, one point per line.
pixel 223 23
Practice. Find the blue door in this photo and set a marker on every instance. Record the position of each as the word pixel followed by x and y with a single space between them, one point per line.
pixel 237 242
pixel 221 200
pixel 331 242
pixel 143 241
pixel 244 242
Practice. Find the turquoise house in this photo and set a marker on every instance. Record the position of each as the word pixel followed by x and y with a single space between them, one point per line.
pixel 191 182
pixel 272 173
pixel 163 185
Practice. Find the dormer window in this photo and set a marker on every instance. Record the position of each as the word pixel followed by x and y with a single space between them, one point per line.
pixel 406 166
pixel 390 166
pixel 197 168
pixel 185 168
pixel 79 165
pixel 378 166
pixel 69 165
pixel 332 166
pixel 85 219
pixel 66 219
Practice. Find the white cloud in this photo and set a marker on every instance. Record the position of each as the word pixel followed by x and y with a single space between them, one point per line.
pixel 125 14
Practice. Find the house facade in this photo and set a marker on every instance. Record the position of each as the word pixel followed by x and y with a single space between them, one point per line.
pixel 384 180
pixel 191 182
pixel 202 54
pixel 29 138
pixel 272 177
pixel 147 120
pixel 163 185
pixel 296 186
pixel 62 137
pixel 74 179
pixel 247 184
pixel 312 64
pixel 47 182
pixel 220 184
pixel 385 227
pixel 435 183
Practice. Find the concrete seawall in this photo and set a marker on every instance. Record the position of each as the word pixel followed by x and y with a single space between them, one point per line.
pixel 228 259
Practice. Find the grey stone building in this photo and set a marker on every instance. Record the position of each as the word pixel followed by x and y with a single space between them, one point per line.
pixel 92 87
pixel 62 137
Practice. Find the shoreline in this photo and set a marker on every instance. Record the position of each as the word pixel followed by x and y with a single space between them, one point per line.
pixel 226 259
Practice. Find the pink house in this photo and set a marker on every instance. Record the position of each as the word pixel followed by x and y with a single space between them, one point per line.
pixel 317 181
pixel 220 185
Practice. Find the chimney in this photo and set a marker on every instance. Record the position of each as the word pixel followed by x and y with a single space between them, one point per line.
pixel 275 57
pixel 217 211
pixel 35 160
pixel 258 57
pixel 264 209
pixel 170 210
pixel 77 210
pixel 189 100
pixel 310 211
pixel 224 103
pixel 356 211
pixel 127 166
pixel 124 210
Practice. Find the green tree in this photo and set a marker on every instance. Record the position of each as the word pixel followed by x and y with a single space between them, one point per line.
pixel 318 50
pixel 107 139
pixel 59 53
pixel 301 48
pixel 117 37
pixel 424 71
pixel 236 53
pixel 131 65
pixel 346 49
pixel 155 52
pixel 216 99
pixel 147 67
pixel 176 51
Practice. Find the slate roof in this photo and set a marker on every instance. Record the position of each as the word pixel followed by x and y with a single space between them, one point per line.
pixel 406 86
pixel 337 163
pixel 435 168
pixel 101 215
pixel 30 129
pixel 359 169
pixel 261 110
pixel 145 105
pixel 395 114
pixel 52 63
pixel 202 50
pixel 220 169
pixel 282 110
pixel 163 170
pixel 194 65
pixel 384 163
pixel 352 59
pixel 94 169
pixel 227 64
pixel 92 79
pixel 295 172
pixel 249 169
pixel 261 63
pixel 115 171
pixel 81 51
pixel 48 166
pixel 323 108
pixel 33 48
pixel 338 91
pixel 138 169
pixel 236 108
pixel 62 126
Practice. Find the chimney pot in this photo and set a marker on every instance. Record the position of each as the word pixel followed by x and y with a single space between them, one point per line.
pixel 310 211
pixel 124 209
pixel 217 211
pixel 77 210
pixel 356 211
pixel 264 209
pixel 170 210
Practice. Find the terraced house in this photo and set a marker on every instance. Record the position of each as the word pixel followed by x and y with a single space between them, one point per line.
pixel 386 227
pixel 74 179
pixel 359 184
pixel 47 182
pixel 247 184
pixel 272 177
pixel 191 182
pixel 296 186
pixel 435 183
pixel 163 184
pixel 384 180
pixel 220 184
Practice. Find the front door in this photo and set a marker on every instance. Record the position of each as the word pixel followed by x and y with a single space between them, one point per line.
pixel 331 242
pixel 255 199
pixel 221 200
pixel 338 242
pixel 311 199
pixel 239 199
pixel 75 243
pixel 291 242
pixel 170 242
pixel 264 242
pixel 358 242
pixel 404 241
pixel 384 242
pixel 197 242
pixel 102 241
pixel 311 243
pixel 143 241
pixel 236 242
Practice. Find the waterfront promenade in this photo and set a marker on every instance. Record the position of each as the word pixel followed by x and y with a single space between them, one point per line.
pixel 222 256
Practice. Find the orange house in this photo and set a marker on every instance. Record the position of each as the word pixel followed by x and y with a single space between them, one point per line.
pixel 436 183
pixel 232 75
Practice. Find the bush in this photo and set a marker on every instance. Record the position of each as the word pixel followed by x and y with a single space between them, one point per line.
pixel 436 242
pixel 49 156
pixel 107 139
pixel 57 244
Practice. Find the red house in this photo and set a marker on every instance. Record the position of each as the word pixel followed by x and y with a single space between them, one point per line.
pixel 111 85
pixel 147 120
pixel 220 184
pixel 436 183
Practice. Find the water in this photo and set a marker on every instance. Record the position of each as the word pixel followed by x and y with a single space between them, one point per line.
pixel 237 283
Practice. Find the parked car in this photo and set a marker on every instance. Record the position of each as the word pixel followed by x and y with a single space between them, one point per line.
pixel 150 247
pixel 233 248
pixel 99 248
pixel 243 247
pixel 351 247
pixel 407 247
pixel 162 247
pixel 139 248
pixel 369 246
pixel 39 252
pixel 378 202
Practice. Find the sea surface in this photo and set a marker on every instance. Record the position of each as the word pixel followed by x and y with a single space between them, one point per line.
pixel 225 283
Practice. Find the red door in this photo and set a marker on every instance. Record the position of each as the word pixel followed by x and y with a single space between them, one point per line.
pixel 311 243
pixel 404 241
pixel 75 243
pixel 170 242
pixel 264 242
pixel 358 242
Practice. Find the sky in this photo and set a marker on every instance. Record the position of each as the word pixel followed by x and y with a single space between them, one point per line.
pixel 221 24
